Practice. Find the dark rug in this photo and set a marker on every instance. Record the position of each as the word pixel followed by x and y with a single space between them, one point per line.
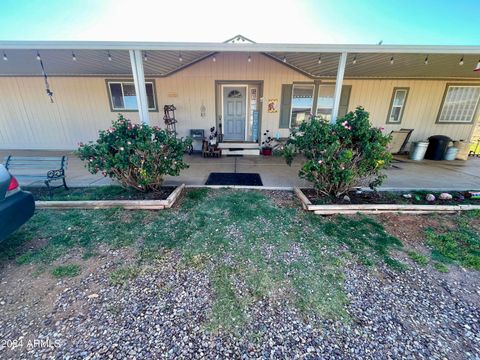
pixel 246 179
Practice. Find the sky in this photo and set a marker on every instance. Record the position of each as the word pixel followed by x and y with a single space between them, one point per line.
pixel 440 22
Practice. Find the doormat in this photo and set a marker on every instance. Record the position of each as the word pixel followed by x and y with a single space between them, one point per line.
pixel 245 179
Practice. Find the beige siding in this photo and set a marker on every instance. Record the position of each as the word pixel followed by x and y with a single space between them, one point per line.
pixel 421 109
pixel 29 121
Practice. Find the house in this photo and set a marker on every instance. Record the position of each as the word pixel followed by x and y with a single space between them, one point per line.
pixel 56 94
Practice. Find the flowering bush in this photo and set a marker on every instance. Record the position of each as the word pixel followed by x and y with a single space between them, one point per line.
pixel 340 156
pixel 138 156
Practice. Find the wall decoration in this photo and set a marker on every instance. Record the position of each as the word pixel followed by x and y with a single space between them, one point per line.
pixel 272 105
pixel 253 94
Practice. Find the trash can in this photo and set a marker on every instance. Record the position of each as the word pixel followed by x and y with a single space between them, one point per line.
pixel 437 147
pixel 451 153
pixel 417 152
pixel 463 149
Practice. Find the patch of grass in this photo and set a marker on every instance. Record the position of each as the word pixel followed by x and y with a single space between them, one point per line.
pixel 123 275
pixel 251 248
pixel 440 267
pixel 197 194
pixel 418 258
pixel 70 270
pixel 365 238
pixel 460 246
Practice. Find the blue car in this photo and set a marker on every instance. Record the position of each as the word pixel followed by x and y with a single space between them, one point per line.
pixel 16 206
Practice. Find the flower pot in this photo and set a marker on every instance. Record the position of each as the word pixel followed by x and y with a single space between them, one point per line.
pixel 267 151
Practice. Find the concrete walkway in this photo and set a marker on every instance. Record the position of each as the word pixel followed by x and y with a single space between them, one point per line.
pixel 427 174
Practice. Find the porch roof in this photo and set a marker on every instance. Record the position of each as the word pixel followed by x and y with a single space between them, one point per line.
pixel 371 61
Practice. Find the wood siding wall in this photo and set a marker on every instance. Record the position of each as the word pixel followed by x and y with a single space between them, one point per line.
pixel 29 121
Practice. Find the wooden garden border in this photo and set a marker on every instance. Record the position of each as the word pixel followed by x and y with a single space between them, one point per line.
pixel 107 204
pixel 332 209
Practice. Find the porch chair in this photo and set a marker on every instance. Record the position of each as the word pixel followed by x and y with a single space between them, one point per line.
pixel 398 143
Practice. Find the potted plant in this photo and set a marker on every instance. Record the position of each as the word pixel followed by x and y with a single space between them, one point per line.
pixel 267 144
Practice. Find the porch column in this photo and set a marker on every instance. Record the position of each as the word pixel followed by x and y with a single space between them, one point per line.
pixel 338 85
pixel 139 80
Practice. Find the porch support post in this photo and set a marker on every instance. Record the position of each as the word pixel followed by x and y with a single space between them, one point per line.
pixel 338 85
pixel 139 80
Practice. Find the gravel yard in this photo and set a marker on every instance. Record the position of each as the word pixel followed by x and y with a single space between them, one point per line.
pixel 271 282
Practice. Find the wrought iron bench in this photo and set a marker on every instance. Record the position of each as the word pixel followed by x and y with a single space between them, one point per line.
pixel 46 169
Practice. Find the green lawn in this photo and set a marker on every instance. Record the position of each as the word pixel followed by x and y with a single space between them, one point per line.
pixel 242 237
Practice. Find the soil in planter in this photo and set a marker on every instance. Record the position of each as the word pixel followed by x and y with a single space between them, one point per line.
pixel 110 192
pixel 387 197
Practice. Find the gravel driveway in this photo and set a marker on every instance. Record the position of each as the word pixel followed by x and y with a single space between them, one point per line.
pixel 162 313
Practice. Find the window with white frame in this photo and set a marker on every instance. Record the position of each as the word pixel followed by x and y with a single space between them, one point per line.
pixel 459 104
pixel 325 100
pixel 397 105
pixel 302 103
pixel 123 96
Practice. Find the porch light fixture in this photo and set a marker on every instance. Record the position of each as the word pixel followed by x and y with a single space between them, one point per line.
pixel 319 59
pixel 145 58
pixel 38 56
pixel 392 60
pixel 478 66
pixel 249 59
pixel 5 57
pixel 214 59
pixel 180 57
pixel 109 56
pixel 354 60
pixel 426 60
pixel 284 59
pixel 461 61
pixel 74 58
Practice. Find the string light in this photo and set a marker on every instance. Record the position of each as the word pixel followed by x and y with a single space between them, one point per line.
pixel 180 57
pixel 109 56
pixel 354 60
pixel 461 61
pixel 249 59
pixel 5 57
pixel 145 58
pixel 319 59
pixel 214 59
pixel 284 59
pixel 74 58
pixel 478 66
pixel 38 56
pixel 392 60
pixel 426 60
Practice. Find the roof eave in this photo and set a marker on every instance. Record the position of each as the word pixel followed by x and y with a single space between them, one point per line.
pixel 249 47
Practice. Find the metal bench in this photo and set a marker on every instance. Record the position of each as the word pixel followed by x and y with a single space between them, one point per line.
pixel 46 169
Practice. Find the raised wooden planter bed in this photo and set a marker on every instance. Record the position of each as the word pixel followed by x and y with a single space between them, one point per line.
pixel 332 209
pixel 107 204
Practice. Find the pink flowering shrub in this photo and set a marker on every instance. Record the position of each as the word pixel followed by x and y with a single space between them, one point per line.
pixel 341 156
pixel 138 156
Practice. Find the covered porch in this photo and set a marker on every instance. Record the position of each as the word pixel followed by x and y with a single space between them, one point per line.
pixel 407 175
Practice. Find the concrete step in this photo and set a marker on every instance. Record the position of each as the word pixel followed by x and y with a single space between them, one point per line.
pixel 238 145
pixel 241 152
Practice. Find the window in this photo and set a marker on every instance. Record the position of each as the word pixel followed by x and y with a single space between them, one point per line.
pixel 302 102
pixel 123 97
pixel 234 94
pixel 325 101
pixel 397 105
pixel 459 104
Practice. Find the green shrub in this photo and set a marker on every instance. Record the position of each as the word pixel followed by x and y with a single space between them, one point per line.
pixel 340 156
pixel 137 155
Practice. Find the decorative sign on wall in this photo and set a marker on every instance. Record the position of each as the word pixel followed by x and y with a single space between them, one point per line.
pixel 272 105
pixel 253 94
pixel 255 126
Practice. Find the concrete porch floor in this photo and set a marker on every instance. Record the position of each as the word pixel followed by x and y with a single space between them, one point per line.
pixel 427 174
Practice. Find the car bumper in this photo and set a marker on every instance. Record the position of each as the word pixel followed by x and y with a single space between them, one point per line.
pixel 15 211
